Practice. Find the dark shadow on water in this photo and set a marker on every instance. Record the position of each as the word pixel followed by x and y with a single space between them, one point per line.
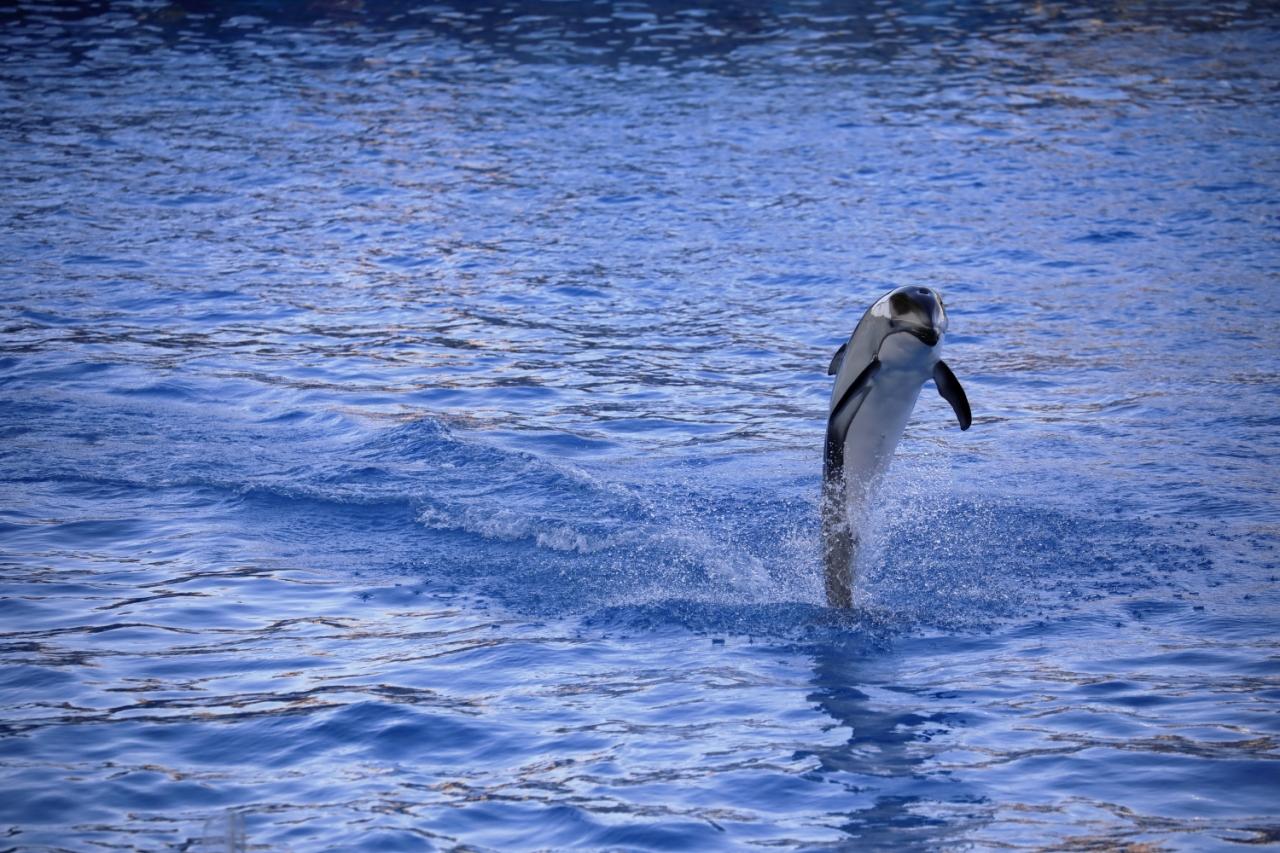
pixel 886 755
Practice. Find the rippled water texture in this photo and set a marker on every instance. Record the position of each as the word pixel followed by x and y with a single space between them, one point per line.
pixel 412 415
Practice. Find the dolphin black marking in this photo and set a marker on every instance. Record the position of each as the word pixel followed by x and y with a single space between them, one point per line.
pixel 838 538
pixel 842 416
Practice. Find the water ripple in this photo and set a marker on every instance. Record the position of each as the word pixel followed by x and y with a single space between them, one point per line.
pixel 408 425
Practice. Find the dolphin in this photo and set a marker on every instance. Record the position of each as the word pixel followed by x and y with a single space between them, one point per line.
pixel 895 348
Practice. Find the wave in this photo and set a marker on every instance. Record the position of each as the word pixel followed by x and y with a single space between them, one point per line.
pixel 544 536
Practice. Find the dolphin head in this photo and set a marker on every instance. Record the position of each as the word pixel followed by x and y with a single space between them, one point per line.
pixel 914 310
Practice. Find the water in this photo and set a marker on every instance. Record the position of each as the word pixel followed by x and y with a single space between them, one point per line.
pixel 412 426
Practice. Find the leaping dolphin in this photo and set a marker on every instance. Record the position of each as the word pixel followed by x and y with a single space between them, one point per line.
pixel 894 350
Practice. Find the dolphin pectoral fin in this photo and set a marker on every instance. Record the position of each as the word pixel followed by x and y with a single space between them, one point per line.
pixel 837 360
pixel 949 388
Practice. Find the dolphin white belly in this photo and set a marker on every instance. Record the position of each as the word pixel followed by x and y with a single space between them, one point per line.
pixel 873 436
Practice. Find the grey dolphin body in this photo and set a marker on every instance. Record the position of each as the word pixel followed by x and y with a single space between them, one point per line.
pixel 894 350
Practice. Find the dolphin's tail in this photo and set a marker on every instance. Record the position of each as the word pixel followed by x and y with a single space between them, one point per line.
pixel 838 544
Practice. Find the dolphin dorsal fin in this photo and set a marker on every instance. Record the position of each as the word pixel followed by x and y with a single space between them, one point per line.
pixel 949 388
pixel 837 360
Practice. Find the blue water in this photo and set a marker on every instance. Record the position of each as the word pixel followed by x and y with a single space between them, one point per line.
pixel 412 423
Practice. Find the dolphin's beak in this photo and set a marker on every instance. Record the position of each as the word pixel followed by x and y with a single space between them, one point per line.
pixel 928 335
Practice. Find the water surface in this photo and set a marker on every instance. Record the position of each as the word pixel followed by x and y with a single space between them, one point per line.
pixel 412 417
